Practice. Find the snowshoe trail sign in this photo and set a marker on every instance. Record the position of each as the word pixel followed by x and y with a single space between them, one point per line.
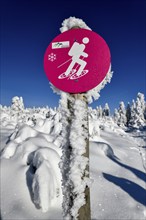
pixel 77 60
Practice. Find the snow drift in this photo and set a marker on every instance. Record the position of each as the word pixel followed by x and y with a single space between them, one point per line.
pixel 31 180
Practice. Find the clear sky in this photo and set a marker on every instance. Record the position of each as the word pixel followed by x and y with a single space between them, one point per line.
pixel 28 26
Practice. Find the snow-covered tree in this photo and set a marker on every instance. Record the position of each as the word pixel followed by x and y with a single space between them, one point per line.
pixel 106 110
pixel 100 111
pixel 141 98
pixel 122 115
pixel 128 113
pixel 145 112
pixel 133 107
pixel 17 104
pixel 94 113
pixel 137 112
pixel 17 109
pixel 116 116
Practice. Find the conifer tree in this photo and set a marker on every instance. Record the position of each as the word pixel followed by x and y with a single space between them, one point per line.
pixel 106 110
pixel 137 112
pixel 122 115
pixel 128 113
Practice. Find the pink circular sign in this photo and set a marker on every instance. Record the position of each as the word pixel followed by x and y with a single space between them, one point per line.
pixel 77 60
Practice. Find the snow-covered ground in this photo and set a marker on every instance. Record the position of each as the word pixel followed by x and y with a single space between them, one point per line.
pixel 31 178
pixel 118 189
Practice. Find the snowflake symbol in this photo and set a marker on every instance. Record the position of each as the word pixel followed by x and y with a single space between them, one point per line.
pixel 52 57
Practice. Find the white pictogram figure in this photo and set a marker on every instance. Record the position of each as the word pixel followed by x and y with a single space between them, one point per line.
pixel 52 57
pixel 76 51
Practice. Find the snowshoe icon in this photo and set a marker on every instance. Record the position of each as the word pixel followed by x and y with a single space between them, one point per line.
pixel 73 74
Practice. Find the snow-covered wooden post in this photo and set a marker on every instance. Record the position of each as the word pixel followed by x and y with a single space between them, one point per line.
pixel 76 62
pixel 84 211
pixel 79 198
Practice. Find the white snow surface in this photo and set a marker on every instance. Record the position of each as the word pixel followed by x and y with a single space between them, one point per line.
pixel 118 191
pixel 31 178
pixel 30 174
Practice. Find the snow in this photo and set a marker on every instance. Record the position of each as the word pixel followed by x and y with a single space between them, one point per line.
pixel 138 110
pixel 16 193
pixel 72 162
pixel 17 103
pixel 70 22
pixel 26 163
pixel 118 190
pixel 34 158
pixel 78 162
pixel 63 141
pixel 46 185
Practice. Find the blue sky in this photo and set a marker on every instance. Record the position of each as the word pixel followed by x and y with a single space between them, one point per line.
pixel 28 26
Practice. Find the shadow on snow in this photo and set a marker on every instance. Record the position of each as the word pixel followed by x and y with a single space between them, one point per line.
pixel 134 190
pixel 111 155
pixel 141 175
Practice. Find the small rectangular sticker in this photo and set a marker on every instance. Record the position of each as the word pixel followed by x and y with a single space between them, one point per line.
pixel 63 44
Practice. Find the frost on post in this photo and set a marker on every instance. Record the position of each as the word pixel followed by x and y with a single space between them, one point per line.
pixel 65 159
pixel 74 138
pixel 73 163
pixel 78 137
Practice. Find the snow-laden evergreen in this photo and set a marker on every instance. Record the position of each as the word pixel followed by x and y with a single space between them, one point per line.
pixel 106 110
pixel 122 120
pixel 17 103
pixel 132 116
pixel 128 114
pixel 99 110
pixel 138 112
pixel 116 116
pixel 33 185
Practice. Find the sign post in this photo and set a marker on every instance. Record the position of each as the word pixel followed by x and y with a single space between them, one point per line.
pixel 84 212
pixel 75 62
